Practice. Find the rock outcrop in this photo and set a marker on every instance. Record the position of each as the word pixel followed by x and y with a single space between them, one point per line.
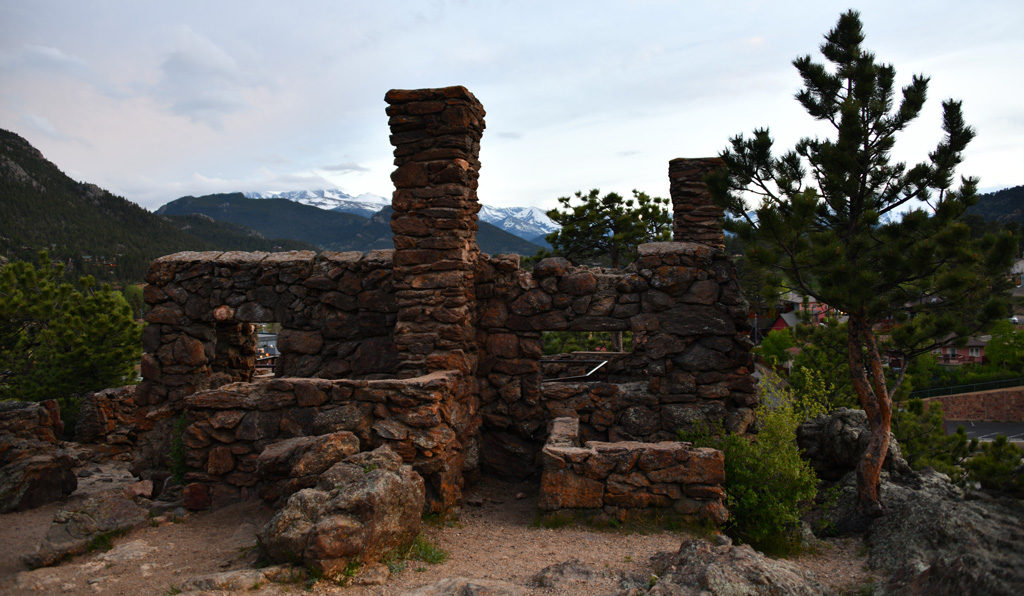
pixel 700 567
pixel 361 508
pixel 75 528
pixel 34 469
pixel 834 443
pixel 935 538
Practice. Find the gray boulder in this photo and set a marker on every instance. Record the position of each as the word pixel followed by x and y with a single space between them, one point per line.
pixel 700 568
pixel 361 508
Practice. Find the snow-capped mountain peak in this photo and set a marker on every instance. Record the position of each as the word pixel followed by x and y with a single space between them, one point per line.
pixel 365 204
pixel 528 223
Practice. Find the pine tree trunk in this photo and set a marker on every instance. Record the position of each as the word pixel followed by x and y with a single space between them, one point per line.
pixel 869 382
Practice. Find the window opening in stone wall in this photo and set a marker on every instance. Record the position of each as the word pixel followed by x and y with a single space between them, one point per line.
pixel 234 351
pixel 584 355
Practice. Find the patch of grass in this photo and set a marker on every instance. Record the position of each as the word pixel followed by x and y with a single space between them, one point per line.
pixel 418 549
pixel 104 541
pixel 369 468
pixel 174 590
pixel 446 519
pixel 352 568
pixel 420 569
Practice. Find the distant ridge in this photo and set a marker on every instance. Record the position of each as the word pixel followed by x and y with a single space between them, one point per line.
pixel 1003 206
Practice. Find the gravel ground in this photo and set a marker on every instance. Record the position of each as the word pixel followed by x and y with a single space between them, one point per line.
pixel 495 538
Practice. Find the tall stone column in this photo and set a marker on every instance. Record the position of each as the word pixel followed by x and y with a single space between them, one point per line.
pixel 695 218
pixel 436 134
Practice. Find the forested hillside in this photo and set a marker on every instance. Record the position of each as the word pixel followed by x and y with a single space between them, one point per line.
pixel 91 230
pixel 1003 206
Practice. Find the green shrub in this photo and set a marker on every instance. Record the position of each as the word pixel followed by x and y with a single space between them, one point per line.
pixel 924 442
pixel 998 467
pixel 768 485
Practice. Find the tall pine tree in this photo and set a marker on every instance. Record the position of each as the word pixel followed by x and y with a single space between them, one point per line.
pixel 876 239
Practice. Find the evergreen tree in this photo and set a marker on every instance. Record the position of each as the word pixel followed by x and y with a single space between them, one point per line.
pixel 876 239
pixel 608 229
pixel 58 340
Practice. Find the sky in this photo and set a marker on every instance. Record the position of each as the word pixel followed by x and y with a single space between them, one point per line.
pixel 157 100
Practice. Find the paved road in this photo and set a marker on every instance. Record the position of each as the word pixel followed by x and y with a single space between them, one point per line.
pixel 987 431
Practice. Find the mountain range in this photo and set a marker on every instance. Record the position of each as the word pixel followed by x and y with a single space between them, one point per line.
pixel 528 223
pixel 327 229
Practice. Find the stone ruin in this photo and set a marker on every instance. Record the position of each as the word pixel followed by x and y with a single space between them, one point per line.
pixel 433 349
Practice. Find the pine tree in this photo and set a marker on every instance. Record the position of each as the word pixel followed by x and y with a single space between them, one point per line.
pixel 609 228
pixel 872 237
pixel 58 340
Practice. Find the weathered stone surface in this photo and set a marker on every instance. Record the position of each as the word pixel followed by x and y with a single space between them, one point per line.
pixel 702 568
pixel 361 508
pixel 462 586
pixel 74 528
pixel 563 575
pixel 293 464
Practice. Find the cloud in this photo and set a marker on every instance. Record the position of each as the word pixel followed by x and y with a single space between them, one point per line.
pixel 42 125
pixel 628 153
pixel 201 81
pixel 509 135
pixel 346 167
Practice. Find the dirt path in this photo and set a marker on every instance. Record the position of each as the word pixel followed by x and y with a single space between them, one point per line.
pixel 495 538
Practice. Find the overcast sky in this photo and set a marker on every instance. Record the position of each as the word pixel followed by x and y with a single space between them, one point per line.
pixel 156 100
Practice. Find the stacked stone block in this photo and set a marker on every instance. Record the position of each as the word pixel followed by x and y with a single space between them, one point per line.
pixel 625 480
pixel 695 218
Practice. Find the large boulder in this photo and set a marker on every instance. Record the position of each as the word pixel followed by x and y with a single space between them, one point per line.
pixel 287 466
pixel 75 528
pixel 699 568
pixel 834 443
pixel 34 469
pixel 934 538
pixel 360 508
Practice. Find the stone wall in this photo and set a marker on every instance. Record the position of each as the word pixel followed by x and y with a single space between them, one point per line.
pixel 683 304
pixel 230 426
pixel 998 405
pixel 623 480
pixel 336 310
pixel 108 417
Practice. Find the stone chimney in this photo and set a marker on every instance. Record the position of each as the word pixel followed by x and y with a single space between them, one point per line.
pixel 695 217
pixel 436 134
